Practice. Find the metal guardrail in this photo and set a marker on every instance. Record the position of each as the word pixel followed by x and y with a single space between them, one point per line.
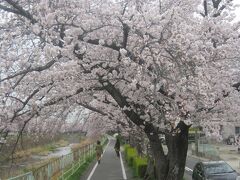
pixel 61 168
pixel 27 176
pixel 87 152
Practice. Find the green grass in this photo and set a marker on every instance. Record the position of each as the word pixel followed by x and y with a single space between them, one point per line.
pixel 81 169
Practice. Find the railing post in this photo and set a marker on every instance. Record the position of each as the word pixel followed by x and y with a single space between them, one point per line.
pixel 31 176
pixel 84 155
pixel 62 167
pixel 80 156
pixel 49 170
pixel 91 147
pixel 88 150
pixel 72 168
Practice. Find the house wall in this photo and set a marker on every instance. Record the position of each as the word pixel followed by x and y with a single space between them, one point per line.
pixel 229 129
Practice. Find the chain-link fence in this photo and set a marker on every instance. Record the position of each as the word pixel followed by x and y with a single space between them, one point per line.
pixel 204 149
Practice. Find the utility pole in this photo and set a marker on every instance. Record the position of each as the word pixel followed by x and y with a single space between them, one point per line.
pixel 196 141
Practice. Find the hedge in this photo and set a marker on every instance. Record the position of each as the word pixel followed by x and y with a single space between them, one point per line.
pixel 140 166
pixel 125 147
pixel 138 163
pixel 130 155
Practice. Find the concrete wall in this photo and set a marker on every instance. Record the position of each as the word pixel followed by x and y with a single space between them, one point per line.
pixel 229 129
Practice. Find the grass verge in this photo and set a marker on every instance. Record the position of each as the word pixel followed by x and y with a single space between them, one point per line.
pixel 81 169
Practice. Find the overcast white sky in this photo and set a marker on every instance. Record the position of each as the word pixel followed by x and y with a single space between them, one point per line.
pixel 238 9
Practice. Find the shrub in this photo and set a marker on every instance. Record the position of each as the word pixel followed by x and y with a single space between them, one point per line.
pixel 125 147
pixel 140 166
pixel 130 155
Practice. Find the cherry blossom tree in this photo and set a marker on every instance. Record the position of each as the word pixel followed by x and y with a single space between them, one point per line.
pixel 162 64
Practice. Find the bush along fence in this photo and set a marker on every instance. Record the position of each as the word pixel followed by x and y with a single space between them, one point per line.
pixel 62 168
pixel 138 163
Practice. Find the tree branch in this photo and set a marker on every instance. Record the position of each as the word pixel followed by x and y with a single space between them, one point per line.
pixel 29 69
pixel 9 9
pixel 20 134
pixel 21 11
pixel 205 8
pixel 52 102
pixel 92 108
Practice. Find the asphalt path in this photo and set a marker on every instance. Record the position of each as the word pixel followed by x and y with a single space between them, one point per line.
pixel 111 166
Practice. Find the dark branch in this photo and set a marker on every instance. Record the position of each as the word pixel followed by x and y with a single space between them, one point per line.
pixel 21 11
pixel 205 8
pixel 92 108
pixel 9 9
pixel 55 101
pixel 20 134
pixel 112 46
pixel 216 3
pixel 29 69
pixel 133 116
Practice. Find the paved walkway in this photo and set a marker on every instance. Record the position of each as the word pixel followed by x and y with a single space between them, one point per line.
pixel 110 168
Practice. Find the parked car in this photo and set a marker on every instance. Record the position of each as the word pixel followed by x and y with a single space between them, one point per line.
pixel 214 170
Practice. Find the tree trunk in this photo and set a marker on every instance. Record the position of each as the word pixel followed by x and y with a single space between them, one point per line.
pixel 177 153
pixel 172 165
pixel 161 163
pixel 150 171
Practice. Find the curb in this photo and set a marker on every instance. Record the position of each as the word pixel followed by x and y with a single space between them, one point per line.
pixel 200 158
